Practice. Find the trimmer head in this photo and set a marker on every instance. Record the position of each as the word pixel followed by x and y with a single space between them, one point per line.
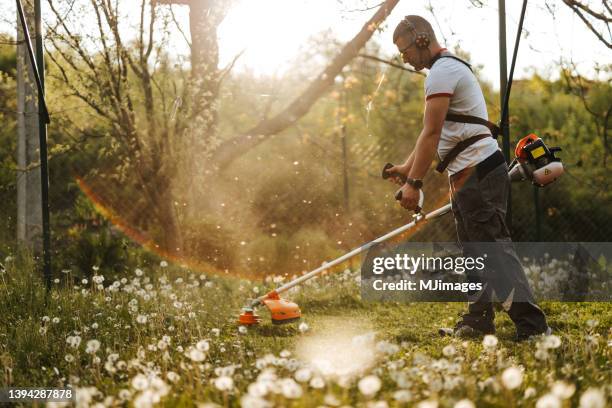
pixel 248 317
pixel 281 311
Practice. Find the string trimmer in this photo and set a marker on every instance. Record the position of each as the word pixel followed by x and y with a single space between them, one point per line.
pixel 285 311
pixel 534 162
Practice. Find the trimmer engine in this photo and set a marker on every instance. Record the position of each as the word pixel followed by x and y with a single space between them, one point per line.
pixel 535 162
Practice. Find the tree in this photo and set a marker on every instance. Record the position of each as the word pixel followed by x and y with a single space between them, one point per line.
pixel 130 85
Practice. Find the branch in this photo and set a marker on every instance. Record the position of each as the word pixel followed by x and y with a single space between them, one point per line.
pixel 233 148
pixel 178 26
pixel 588 10
pixel 229 67
pixel 391 63
pixel 587 23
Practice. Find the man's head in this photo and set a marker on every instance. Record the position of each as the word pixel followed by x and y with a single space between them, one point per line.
pixel 416 41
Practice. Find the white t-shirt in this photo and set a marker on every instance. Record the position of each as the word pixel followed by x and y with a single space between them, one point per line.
pixel 449 77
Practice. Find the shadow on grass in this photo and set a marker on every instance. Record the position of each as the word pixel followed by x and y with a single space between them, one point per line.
pixel 332 303
pixel 281 330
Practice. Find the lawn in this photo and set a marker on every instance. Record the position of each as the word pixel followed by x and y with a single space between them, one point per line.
pixel 167 335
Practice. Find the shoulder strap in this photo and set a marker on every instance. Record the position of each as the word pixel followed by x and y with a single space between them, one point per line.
pixel 455 117
pixel 440 56
pixel 459 147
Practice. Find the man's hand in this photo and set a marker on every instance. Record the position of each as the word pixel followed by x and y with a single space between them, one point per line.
pixel 401 169
pixel 410 197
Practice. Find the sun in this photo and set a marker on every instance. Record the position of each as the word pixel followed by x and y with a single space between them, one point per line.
pixel 271 32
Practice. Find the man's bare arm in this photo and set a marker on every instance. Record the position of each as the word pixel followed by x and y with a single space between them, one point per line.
pixel 427 142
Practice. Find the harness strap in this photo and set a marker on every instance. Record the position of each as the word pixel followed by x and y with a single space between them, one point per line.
pixel 455 117
pixel 459 147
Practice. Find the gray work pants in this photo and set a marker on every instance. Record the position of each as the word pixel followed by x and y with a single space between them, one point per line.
pixel 479 207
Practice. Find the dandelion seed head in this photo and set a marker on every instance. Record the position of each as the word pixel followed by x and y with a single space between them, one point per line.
pixel 563 389
pixel 490 341
pixel 203 345
pixel 593 398
pixel 548 401
pixel 195 355
pixel 464 403
pixel 317 382
pixel 369 385
pixel 303 375
pixel 512 378
pixel 224 383
pixel 92 346
pixel 290 389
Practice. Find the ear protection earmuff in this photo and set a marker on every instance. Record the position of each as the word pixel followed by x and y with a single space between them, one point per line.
pixel 421 40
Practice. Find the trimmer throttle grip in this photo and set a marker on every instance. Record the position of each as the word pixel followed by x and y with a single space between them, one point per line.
pixel 386 175
pixel 417 210
pixel 403 178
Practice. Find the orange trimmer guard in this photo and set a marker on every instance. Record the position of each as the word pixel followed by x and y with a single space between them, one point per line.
pixel 281 310
pixel 248 318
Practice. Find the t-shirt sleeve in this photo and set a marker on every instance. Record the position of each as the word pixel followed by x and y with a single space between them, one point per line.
pixel 440 82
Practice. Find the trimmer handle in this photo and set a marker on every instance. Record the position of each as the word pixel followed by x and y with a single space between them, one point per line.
pixel 402 177
pixel 386 175
pixel 398 197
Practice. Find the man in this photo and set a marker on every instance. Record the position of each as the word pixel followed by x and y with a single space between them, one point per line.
pixel 478 178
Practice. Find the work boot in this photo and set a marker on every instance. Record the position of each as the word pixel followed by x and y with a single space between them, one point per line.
pixel 530 336
pixel 471 325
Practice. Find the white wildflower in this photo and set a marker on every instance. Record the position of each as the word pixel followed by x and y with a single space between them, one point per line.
pixel 548 401
pixel 490 341
pixel 84 395
pixel 73 341
pixel 369 385
pixel 563 389
pixel 317 382
pixel 593 398
pixel 402 395
pixel 464 403
pixel 530 392
pixel 251 401
pixel 140 382
pixel 203 345
pixel 163 264
pixel 290 389
pixel 195 355
pixel 224 383
pixel 142 319
pixel 172 376
pixel 303 375
pixel 303 327
pixel 512 378
pixel 551 342
pixel 138 272
pixel 449 350
pixel 92 346
pixel 242 330
pixel 428 403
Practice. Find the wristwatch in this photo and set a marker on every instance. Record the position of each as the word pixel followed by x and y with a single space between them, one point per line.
pixel 417 184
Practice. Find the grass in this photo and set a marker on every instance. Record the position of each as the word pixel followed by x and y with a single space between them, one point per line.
pixel 167 335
